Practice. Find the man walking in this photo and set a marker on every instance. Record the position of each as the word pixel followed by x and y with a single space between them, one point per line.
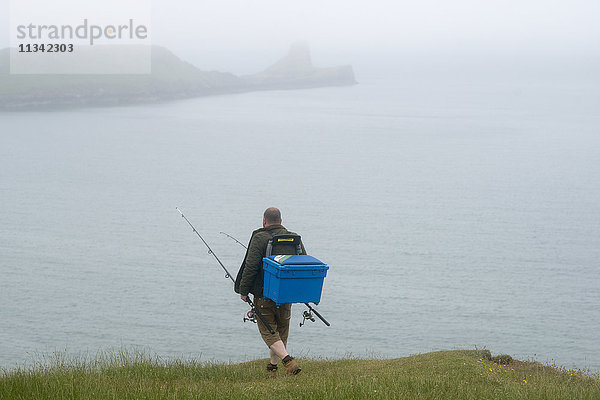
pixel 250 279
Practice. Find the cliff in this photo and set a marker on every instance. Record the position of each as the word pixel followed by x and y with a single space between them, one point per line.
pixel 296 71
pixel 171 78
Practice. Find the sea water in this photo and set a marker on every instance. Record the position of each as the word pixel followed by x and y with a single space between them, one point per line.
pixel 452 216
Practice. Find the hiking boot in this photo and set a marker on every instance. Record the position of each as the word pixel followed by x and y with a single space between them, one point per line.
pixel 291 367
pixel 271 370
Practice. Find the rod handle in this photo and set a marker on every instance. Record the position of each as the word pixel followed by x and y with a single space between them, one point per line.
pixel 317 314
pixel 260 316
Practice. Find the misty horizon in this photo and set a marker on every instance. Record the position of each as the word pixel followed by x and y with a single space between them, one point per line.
pixel 240 37
pixel 453 191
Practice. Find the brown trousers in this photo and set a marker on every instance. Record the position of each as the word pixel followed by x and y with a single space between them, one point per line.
pixel 277 316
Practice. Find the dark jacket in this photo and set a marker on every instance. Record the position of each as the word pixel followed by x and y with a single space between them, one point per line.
pixel 250 276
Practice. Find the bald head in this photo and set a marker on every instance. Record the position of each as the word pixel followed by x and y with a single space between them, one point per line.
pixel 272 216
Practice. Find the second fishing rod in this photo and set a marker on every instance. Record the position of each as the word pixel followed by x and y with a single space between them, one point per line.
pixel 253 313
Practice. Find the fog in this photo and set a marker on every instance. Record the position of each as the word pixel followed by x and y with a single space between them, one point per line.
pixel 488 195
pixel 244 36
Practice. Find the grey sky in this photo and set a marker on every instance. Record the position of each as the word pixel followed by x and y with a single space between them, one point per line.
pixel 242 28
pixel 380 23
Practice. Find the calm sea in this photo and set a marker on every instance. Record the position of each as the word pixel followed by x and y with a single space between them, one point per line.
pixel 452 215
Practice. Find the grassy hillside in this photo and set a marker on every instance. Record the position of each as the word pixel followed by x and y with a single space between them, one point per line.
pixel 440 375
pixel 171 78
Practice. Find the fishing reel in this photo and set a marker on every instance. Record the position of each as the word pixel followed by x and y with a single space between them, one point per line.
pixel 307 314
pixel 250 316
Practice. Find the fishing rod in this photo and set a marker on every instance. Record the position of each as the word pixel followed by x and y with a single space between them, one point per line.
pixel 231 237
pixel 306 314
pixel 253 313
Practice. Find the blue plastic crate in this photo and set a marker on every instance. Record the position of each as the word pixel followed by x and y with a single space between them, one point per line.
pixel 293 279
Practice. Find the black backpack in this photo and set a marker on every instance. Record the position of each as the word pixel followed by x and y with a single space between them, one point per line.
pixel 284 243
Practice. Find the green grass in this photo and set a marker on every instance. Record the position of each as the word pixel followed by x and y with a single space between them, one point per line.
pixel 439 375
